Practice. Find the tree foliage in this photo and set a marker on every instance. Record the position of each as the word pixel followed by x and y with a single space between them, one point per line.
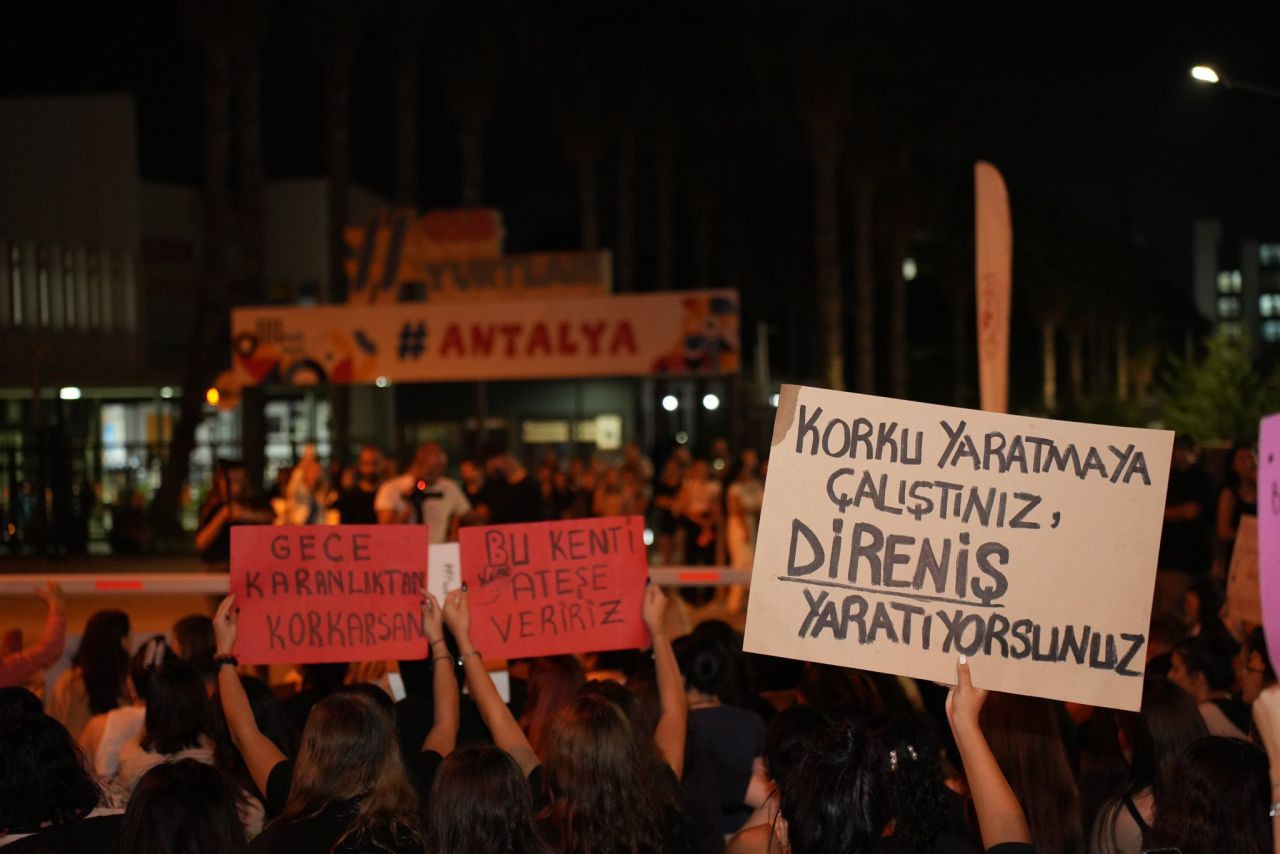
pixel 1221 396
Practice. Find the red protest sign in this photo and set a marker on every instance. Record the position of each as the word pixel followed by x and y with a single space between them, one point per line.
pixel 549 588
pixel 314 593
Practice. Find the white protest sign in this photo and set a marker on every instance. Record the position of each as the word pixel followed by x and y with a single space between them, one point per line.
pixel 896 536
pixel 444 569
pixel 1244 597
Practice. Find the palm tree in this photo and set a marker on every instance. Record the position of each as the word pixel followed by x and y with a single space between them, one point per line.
pixel 208 26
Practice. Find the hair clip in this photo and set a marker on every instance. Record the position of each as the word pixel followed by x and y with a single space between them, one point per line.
pixel 893 760
pixel 912 751
pixel 156 653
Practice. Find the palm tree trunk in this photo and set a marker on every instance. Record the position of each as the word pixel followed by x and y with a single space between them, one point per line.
pixel 827 261
pixel 898 354
pixel 471 141
pixel 210 320
pixel 337 144
pixel 404 102
pixel 589 196
pixel 1122 361
pixel 624 244
pixel 864 280
pixel 664 186
pixel 248 91
pixel 1075 363
pixel 1049 354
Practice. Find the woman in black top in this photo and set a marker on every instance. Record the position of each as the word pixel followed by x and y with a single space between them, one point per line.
pixel 184 806
pixel 480 804
pixel 594 794
pixel 48 800
pixel 349 789
pixel 1238 497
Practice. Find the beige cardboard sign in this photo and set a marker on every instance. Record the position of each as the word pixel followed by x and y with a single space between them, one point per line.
pixel 896 536
pixel 1244 598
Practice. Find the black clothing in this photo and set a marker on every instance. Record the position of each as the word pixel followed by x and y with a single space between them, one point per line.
pixel 355 506
pixel 99 835
pixel 510 503
pixel 1185 546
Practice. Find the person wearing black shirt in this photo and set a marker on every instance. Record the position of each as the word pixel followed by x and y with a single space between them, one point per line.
pixel 513 495
pixel 228 503
pixel 355 505
pixel 1185 536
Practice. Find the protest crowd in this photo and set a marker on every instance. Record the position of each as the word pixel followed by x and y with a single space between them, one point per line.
pixel 170 744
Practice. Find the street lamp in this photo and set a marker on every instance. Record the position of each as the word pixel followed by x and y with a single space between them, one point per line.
pixel 1208 74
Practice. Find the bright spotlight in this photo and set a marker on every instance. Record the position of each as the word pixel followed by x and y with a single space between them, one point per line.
pixel 710 402
pixel 1205 74
pixel 69 392
pixel 909 269
pixel 670 403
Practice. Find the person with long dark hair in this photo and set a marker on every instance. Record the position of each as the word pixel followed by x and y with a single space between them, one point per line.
pixel 182 807
pixel 1237 497
pixel 1217 800
pixel 49 802
pixel 96 681
pixel 176 725
pixel 1151 739
pixel 106 735
pixel 481 804
pixel 836 800
pixel 1024 735
pixel 273 723
pixel 1203 666
pixel 553 683
pixel 1256 673
pixel 348 789
pixel 596 792
pixel 194 643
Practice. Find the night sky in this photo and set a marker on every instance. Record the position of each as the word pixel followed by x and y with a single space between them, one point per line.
pixel 1087 109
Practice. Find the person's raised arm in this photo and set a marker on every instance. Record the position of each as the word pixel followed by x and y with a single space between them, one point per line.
pixel 210 530
pixel 16 668
pixel 443 736
pixel 260 753
pixel 1266 716
pixel 673 707
pixel 497 717
pixel 1000 816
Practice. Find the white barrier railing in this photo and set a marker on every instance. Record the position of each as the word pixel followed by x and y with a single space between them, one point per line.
pixel 185 583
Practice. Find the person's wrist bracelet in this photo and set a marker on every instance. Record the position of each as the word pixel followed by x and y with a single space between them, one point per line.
pixel 1275 808
pixel 219 660
pixel 436 641
pixel 462 658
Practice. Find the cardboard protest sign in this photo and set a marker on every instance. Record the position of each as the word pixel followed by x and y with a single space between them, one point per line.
pixel 1269 527
pixel 445 573
pixel 896 536
pixel 316 593
pixel 548 588
pixel 1244 602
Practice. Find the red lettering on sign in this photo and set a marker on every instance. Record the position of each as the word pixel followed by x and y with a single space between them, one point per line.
pixel 552 588
pixel 593 331
pixel 539 341
pixel 566 345
pixel 624 338
pixel 453 341
pixel 481 340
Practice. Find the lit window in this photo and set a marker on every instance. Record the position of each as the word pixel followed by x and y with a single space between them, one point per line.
pixel 1228 308
pixel 1237 281
pixel 16 295
pixel 1269 254
pixel 1224 282
pixel 1271 331
pixel 1269 305
pixel 1230 329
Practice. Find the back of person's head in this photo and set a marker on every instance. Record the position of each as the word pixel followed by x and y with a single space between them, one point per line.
pixel 149 658
pixel 194 638
pixel 272 722
pixel 182 807
pixel 1216 800
pixel 910 761
pixel 790 738
pixel 553 683
pixel 835 801
pixel 709 662
pixel 16 701
pixel 1168 722
pixel 603 793
pixel 178 713
pixel 325 677
pixel 103 659
pixel 349 751
pixel 840 692
pixel 1025 738
pixel 1203 601
pixel 481 804
pixel 373 692
pixel 1210 656
pixel 43 776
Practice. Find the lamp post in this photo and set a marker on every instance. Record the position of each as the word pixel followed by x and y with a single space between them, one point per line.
pixel 1209 75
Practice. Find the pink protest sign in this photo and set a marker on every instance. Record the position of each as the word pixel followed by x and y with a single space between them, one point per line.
pixel 1269 527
